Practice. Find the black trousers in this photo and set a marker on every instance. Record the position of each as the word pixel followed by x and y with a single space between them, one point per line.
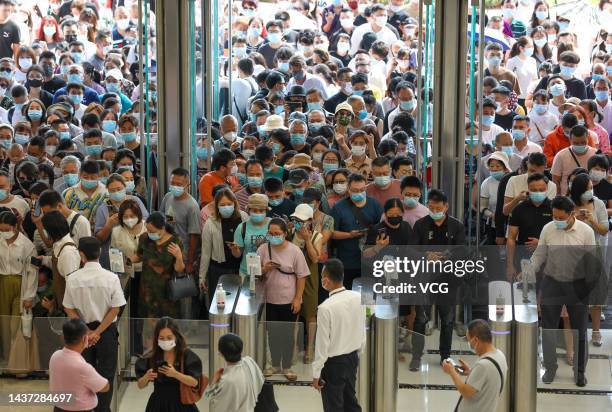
pixel 447 317
pixel 555 294
pixel 340 375
pixel 280 322
pixel 103 357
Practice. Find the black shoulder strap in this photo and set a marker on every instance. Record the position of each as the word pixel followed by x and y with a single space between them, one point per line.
pixel 243 233
pixel 501 377
pixel 574 157
pixel 361 218
pixel 73 223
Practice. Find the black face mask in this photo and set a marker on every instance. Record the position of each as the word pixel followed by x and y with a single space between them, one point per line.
pixel 70 38
pixel 47 70
pixel 396 220
pixel 35 82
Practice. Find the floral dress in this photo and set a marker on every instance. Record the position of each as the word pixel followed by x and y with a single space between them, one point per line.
pixel 157 269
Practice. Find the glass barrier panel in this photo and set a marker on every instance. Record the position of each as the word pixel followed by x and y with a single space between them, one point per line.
pixel 284 352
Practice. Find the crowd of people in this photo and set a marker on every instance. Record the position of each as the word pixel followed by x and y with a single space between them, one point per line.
pixel 313 158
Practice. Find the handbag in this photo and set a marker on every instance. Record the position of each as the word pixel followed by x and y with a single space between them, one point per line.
pixel 180 287
pixel 189 394
pixel 266 401
pixel 26 324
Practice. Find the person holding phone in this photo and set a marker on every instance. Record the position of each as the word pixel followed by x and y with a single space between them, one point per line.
pixel 168 365
pixel 218 240
pixel 285 270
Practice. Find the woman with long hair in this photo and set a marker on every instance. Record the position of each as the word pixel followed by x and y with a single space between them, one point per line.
pixel 168 365
pixel 49 32
pixel 523 64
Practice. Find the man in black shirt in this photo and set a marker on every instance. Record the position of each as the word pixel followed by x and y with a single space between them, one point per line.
pixel 526 222
pixel 346 89
pixel 51 83
pixel 437 229
pixel 503 115
pixel 568 62
pixel 9 31
pixel 598 166
pixel 500 219
pixel 280 205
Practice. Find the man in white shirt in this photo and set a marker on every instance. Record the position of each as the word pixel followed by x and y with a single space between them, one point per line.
pixel 563 253
pixel 604 105
pixel 94 295
pixel 243 88
pixel 517 189
pixel 541 120
pixel 489 129
pixel 299 76
pixel 520 130
pixel 235 387
pixel 9 200
pixel 377 25
pixel 340 337
pixel 407 102
pixel 78 225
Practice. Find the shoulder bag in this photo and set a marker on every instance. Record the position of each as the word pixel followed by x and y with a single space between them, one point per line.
pixel 192 394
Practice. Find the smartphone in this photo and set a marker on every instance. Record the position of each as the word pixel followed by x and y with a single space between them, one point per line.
pixel 322 382
pixel 161 363
pixel 36 261
pixel 382 231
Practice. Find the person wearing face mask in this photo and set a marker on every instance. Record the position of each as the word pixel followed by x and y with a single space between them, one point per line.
pixel 503 142
pixel 112 81
pixel 358 162
pixel 486 379
pixel 560 138
pixel 392 230
pixel 377 24
pixel 251 233
pixel 337 348
pixel 237 386
pixel 435 229
pixel 353 216
pixel 88 194
pixel 566 160
pixel 18 278
pixel 297 66
pixel 520 130
pixel 562 244
pixel 523 65
pixel 9 200
pixel 498 166
pixel 568 63
pixel 494 57
pixel 75 74
pixel 50 201
pixel 338 186
pixel 223 171
pixel 229 132
pixel 107 216
pixel 217 240
pixel 95 295
pixel 541 119
pixel 70 373
pixel 182 212
pixel 274 29
pixel 280 204
pixel 19 95
pixel 407 101
pixel 384 186
pixel 598 166
pixel 255 176
pixel 169 365
pixel 35 77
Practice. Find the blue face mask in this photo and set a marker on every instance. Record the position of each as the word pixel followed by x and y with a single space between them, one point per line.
pixel 580 149
pixel 298 192
pixel 363 114
pixel 563 25
pixel 130 186
pixel 382 181
pixel 276 240
pixel 202 153
pixel 64 135
pixel 77 57
pixel 35 114
pixel 226 211
pixel 274 37
pixel 518 134
pixel 410 201
pixel 567 71
pixel 254 181
pixel 541 14
pixel 75 78
pixel 109 126
pixel 5 144
pixel 154 236
pixel 279 110
pixel 242 179
pixel 275 202
pixel 117 196
pixel 609 70
pixel 494 61
pixel 537 197
pixel 129 136
pixel 176 191
pixel 257 217
pixel 93 150
pixel 33 159
pixel 89 184
pixel 276 148
pixel 21 139
pixel 407 105
pixel 283 66
pixel 596 76
pixel 328 167
pixel 113 87
pixel 109 163
pixel 254 32
pixel 436 215
pixel 104 180
pixel 358 197
pixel 497 175
pixel 357 92
pixel 601 95
pixel 540 108
pixel 298 139
pixel 3 194
pixel 76 98
pixel 71 179
pixel 314 106
pixel 557 89
pixel 560 224
pixel 507 150
pixel 488 120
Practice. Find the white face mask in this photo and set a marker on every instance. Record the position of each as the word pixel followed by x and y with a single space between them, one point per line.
pixel 358 150
pixel 166 345
pixel 340 188
pixel 7 235
pixel 234 170
pixel 230 136
pixel 130 222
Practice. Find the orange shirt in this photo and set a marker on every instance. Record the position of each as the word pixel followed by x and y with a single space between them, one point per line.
pixel 557 141
pixel 209 181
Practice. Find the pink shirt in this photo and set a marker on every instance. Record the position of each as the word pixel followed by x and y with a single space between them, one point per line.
pixel 206 212
pixel 279 287
pixel 564 164
pixel 412 215
pixel 382 195
pixel 604 139
pixel 70 373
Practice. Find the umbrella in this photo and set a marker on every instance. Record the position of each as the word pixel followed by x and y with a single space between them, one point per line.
pixel 491 36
